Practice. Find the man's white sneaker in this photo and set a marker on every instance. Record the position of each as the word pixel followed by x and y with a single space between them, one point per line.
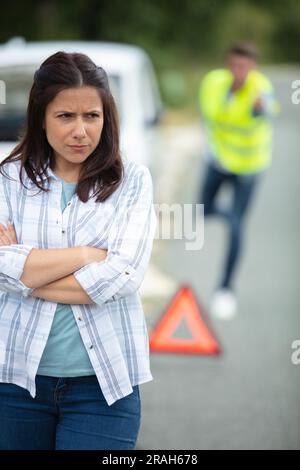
pixel 224 304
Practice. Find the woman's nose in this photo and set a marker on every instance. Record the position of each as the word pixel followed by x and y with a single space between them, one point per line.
pixel 79 130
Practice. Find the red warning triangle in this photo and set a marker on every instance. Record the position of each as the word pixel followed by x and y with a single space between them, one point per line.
pixel 183 309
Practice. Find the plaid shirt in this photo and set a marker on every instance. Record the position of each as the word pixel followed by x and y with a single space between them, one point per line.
pixel 113 329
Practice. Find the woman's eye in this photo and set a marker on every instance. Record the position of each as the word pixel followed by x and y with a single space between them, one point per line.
pixel 68 115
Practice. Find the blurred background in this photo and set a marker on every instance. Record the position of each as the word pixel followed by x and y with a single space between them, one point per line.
pixel 183 38
pixel 248 396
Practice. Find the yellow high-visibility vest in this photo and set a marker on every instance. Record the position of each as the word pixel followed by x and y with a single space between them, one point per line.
pixel 241 141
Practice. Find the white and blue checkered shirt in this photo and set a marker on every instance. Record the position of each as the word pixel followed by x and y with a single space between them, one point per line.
pixel 113 329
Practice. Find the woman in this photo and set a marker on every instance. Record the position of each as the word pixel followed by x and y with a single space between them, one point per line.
pixel 77 226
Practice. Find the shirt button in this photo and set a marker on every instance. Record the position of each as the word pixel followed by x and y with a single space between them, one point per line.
pixel 79 318
pixel 63 231
pixel 91 346
pixel 126 272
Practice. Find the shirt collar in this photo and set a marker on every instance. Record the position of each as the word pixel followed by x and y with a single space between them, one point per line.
pixel 48 174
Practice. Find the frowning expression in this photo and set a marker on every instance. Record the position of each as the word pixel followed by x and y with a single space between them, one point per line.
pixel 73 124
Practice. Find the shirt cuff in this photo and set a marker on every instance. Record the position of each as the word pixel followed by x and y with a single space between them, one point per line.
pixel 8 284
pixel 26 291
pixel 101 280
pixel 13 258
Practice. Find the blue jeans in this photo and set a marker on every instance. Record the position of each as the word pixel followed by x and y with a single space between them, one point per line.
pixel 67 414
pixel 242 190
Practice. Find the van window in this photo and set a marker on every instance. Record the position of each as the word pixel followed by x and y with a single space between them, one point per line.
pixel 12 114
pixel 149 93
pixel 18 81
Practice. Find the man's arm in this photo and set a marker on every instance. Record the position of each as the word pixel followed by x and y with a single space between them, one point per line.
pixel 65 291
pixel 265 105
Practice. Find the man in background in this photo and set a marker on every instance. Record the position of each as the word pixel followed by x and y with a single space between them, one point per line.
pixel 237 104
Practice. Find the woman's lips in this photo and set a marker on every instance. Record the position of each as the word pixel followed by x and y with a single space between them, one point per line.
pixel 78 147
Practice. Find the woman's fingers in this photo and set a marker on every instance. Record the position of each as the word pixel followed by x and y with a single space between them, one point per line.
pixel 8 234
pixel 3 235
pixel 4 241
pixel 11 233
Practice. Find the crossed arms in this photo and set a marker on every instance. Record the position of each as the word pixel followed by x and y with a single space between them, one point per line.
pixel 85 274
pixel 50 272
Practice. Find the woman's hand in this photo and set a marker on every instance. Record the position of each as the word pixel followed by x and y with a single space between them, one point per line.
pixel 7 235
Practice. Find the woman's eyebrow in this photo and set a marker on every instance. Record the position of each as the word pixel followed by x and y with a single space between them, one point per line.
pixel 73 112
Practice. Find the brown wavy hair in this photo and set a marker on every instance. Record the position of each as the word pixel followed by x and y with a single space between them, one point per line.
pixel 103 170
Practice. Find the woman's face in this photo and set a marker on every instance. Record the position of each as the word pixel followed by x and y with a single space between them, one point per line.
pixel 73 124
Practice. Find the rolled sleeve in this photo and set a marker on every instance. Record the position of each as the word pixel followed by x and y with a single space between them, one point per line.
pixel 129 244
pixel 12 257
pixel 12 261
pixel 102 280
pixel 7 284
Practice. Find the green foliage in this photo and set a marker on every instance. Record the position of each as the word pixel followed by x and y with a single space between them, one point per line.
pixel 193 28
pixel 182 37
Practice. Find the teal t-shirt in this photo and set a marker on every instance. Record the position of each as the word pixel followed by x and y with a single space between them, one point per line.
pixel 65 354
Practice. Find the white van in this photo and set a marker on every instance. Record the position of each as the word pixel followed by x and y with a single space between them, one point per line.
pixel 132 80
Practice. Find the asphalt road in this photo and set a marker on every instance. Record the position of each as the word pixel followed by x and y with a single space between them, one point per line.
pixel 248 397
